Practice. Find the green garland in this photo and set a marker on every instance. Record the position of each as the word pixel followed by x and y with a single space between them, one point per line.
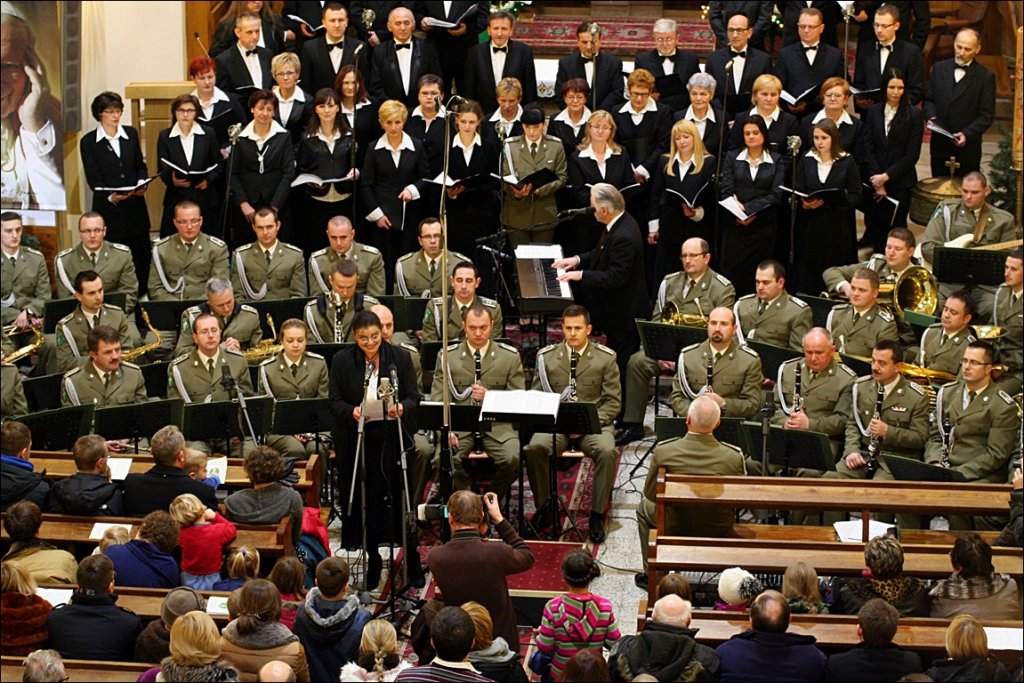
pixel 1002 177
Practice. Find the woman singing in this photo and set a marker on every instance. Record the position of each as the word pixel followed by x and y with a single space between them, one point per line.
pixel 188 147
pixel 356 372
pixel 293 105
pixel 703 110
pixel 359 110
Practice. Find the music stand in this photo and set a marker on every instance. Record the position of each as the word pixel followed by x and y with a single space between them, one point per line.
pixel 408 310
pixel 43 393
pixel 222 419
pixel 772 356
pixel 573 418
pixel 304 416
pixel 860 367
pixel 278 309
pixel 57 430
pixel 155 375
pixel 908 469
pixel 137 420
pixel 327 350
pixel 669 428
pixel 428 356
pixel 662 341
pixel 55 309
pixel 793 448
pixel 820 307
pixel 972 267
pixel 166 315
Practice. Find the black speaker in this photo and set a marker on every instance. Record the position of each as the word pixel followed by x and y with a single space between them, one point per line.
pixel 71 64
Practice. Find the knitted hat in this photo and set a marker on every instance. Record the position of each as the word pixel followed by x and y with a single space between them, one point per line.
pixel 532 116
pixel 737 586
pixel 179 601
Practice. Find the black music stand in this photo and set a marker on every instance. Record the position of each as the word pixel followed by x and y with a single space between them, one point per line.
pixel 772 356
pixel 43 393
pixel 55 309
pixel 820 307
pixel 793 448
pixel 57 430
pixel 861 367
pixel 278 309
pixel 573 418
pixel 137 420
pixel 155 375
pixel 408 310
pixel 908 469
pixel 669 428
pixel 223 420
pixel 972 267
pixel 327 350
pixel 305 416
pixel 165 315
pixel 662 341
pixel 429 352
pixel 464 418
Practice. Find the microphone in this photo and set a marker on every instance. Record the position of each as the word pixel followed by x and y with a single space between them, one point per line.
pixel 384 391
pixel 499 128
pixel 195 35
pixel 366 378
pixel 793 143
pixel 359 47
pixel 455 102
pixel 393 371
pixel 572 213
pixel 226 380
pixel 234 130
pixel 728 65
pixel 497 253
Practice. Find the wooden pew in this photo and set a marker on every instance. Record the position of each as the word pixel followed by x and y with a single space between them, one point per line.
pixel 146 602
pixel 799 532
pixel 80 669
pixel 72 533
pixel 849 495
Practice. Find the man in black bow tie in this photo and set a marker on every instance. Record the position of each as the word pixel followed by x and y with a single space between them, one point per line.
pixel 399 62
pixel 666 59
pixel 602 72
pixel 807 64
pixel 324 55
pixel 744 62
pixel 246 67
pixel 890 52
pixel 452 44
pixel 500 57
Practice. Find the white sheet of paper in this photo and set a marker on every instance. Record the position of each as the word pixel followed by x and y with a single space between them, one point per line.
pixel 936 128
pixel 520 402
pixel 1005 639
pixel 217 606
pixel 100 528
pixel 539 251
pixel 849 531
pixel 217 467
pixel 119 468
pixel 59 596
pixel 732 206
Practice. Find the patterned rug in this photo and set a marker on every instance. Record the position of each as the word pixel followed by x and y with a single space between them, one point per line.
pixel 624 36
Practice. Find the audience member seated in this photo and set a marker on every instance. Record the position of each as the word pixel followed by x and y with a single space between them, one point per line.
pixel 204 533
pixel 674 583
pixel 876 657
pixel 257 635
pixel 45 562
pixel 586 666
pixel 766 652
pixel 800 586
pixel 969 658
pixel 884 579
pixel 491 656
pixel 289 575
pixel 276 671
pixel 451 633
pixel 666 648
pixel 378 659
pixel 737 588
pixel 92 626
pixel 1013 533
pixel 18 478
pixel 44 665
pixel 268 501
pixel 195 652
pixel 146 561
pixel 154 643
pixel 975 587
pixel 112 535
pixel 165 480
pixel 89 491
pixel 243 565
pixel 330 623
pixel 579 619
pixel 22 611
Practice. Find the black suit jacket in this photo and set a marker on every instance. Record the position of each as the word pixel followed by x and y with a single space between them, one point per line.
pixel 757 195
pixel 430 138
pixel 158 486
pixel 685 66
pixel 613 276
pixel 759 15
pixel 225 114
pixel 667 207
pixel 104 168
pixel 755 64
pixel 313 156
pixel 648 140
pixel 921 23
pixel 224 37
pixel 381 181
pixel 386 78
pixel 367 128
pixel 791 13
pixel 905 56
pixel 309 10
pixel 786 126
pixel 317 69
pixel 797 74
pixel 452 50
pixel 967 106
pixel 479 75
pixel 711 128
pixel 564 132
pixel 345 392
pixel 854 138
pixel 205 153
pixel 233 76
pixel 608 84
pixel 298 117
pixel 583 173
pixel 270 187
pixel 844 177
pixel 898 152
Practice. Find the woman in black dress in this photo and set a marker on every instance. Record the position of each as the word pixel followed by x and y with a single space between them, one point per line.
pixel 264 168
pixel 112 158
pixel 326 152
pixel 191 147
pixel 825 234
pixel 294 107
pixel 835 93
pixel 779 124
pixel 704 111
pixel 359 110
pixel 683 175
pixel 752 176
pixel 218 110
pixel 895 129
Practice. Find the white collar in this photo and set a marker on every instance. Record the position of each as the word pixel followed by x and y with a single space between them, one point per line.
pixel 691 116
pixel 496 116
pixel 582 351
pixel 15 254
pixel 272 248
pixel 766 157
pixel 843 118
pixel 588 153
pixel 961 66
pixel 176 131
pixel 203 358
pixel 677 160
pixel 774 116
pixel 359 105
pixel 102 134
pixel 491 44
pixel 250 132
pixel 382 143
pixel 615 220
pixel 297 96
pixel 218 96
pixel 483 349
pixel 320 134
pixel 457 142
pixel 563 116
pixel 651 105
pixel 418 111
pixel 242 50
pixel 814 155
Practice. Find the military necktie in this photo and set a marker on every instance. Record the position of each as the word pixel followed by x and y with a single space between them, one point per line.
pixel 462 310
pixel 92 257
pixel 188 247
pixel 856 317
pixel 433 268
pixel 533 150
pixel 106 381
pixel 942 341
pixel 971 396
pixel 689 285
pixel 209 366
pixel 761 306
pixel 295 369
pixel 14 262
pixel 267 254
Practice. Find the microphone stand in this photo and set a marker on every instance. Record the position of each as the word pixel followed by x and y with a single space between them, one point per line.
pixel 718 158
pixel 359 471
pixel 233 138
pixel 794 148
pixel 231 384
pixel 498 239
pixel 766 413
pixel 445 469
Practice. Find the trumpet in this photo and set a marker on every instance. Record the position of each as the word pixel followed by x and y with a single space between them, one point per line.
pixel 574 358
pixel 875 441
pixel 670 315
pixel 132 354
pixel 267 348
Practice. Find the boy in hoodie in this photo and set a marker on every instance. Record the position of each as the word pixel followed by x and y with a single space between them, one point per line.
pixel 18 478
pixel 330 624
pixel 146 561
pixel 89 491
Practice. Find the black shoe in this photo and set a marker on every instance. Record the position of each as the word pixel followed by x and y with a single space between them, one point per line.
pixel 596 527
pixel 628 434
pixel 541 517
pixel 640 580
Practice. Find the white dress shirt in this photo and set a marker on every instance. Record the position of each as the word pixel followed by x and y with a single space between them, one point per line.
pixel 114 140
pixel 252 63
pixel 187 141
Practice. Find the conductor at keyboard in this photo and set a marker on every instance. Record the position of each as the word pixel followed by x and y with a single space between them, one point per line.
pixel 609 279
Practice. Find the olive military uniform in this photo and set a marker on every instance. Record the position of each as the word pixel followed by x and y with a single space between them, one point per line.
pixel 72 334
pixel 12 393
pixel 283 380
pixel 86 384
pixel 857 333
pixel 1008 312
pixel 456 314
pixel 538 209
pixel 367 259
pixel 413 276
pixel 24 283
pixel 736 377
pixel 190 379
pixel 984 431
pixel 321 316
pixel 597 381
pixel 181 271
pixel 243 324
pixel 826 396
pixel 782 322
pixel 836 276
pixel 256 277
pixel 941 352
pixel 114 264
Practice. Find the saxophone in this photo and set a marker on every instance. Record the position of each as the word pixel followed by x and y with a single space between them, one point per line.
pixel 574 443
pixel 28 349
pixel 875 441
pixel 145 348
pixel 798 399
pixel 478 437
pixel 266 348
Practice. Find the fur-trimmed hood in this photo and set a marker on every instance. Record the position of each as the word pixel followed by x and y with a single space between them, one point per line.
pixel 975 588
pixel 217 671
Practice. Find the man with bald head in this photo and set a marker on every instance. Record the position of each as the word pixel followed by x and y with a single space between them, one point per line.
pixel 276 671
pixel 721 368
pixel 341 238
pixel 665 649
pixel 699 452
pixel 30 120
pixel 397 64
pixel 766 652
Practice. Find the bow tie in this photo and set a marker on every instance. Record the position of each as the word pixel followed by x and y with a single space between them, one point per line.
pixel 962 67
pixel 586 59
pixel 884 47
pixel 808 48
pixel 496 50
pixel 402 46
pixel 250 53
pixel 741 55
pixel 336 46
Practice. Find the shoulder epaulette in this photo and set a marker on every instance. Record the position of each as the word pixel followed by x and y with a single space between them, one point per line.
pixel 798 301
pixel 408 257
pixel 691 346
pixel 453 346
pixel 314 354
pixel 218 241
pixel 113 307
pixel 490 303
pixel 409 347
pixel 748 296
pixel 752 352
pixel 64 252
pixel 792 360
pixel 865 378
pixel 370 249
pixel 732 446
pixel 436 301
pixel 603 348
pixel 272 359
pixel 840 307
pixel 121 247
pixel 508 347
pixel 192 310
pixel 32 250
pixel 317 254
pixel 549 348
pixel 460 257
pixel 247 307
pixel 129 364
pixel 846 368
pixel 245 247
pixel 885 315
pixel 163 240
pixel 934 325
pixel 551 138
pixel 71 373
pixel 236 353
pixel 290 247
pixel 916 387
pixel 513 138
pixel 67 318
pixel 723 279
pixel 179 359
pixel 665 442
pixel 674 276
pixel 1006 397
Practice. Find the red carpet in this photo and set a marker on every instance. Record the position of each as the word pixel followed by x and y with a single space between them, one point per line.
pixel 625 36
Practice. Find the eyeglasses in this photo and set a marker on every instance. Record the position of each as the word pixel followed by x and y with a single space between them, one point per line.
pixel 372 339
pixel 877 25
pixel 187 111
pixel 808 27
pixel 971 363
pixel 286 74
pixel 834 96
pixel 593 127
pixel 664 41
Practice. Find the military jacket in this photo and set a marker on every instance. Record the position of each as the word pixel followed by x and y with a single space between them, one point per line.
pixel 181 273
pixel 736 377
pixel 12 393
pixel 243 325
pixel 952 219
pixel 826 396
pixel 858 337
pixel 980 435
pixel 367 259
pixel 710 291
pixel 321 317
pixel 309 380
pixel 838 275
pixel 83 385
pixel 113 263
pixel 190 380
pixel 597 377
pixel 73 334
pixel 1009 314
pixel 936 354
pixel 500 368
pixel 536 209
pixel 905 410
pixel 413 278
pixel 256 279
pixel 432 315
pixel 783 323
pixel 24 284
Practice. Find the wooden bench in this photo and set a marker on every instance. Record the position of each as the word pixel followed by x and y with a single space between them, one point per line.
pixel 849 495
pixel 66 531
pixel 80 669
pixel 146 602
pixel 798 532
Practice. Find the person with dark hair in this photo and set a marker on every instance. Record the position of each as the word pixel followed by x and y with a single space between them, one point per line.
pixel 975 587
pixel 943 343
pixel 602 71
pixel 463 296
pixel 570 124
pixel 12 392
pixel 114 167
pixel 153 644
pixel 577 620
pixel 91 625
pixel 736 65
pixel 771 315
pixel 808 63
pixel 330 622
pixel 104 379
pixel 859 325
pixel 888 264
pixel 18 477
pixel 264 270
pixel 245 66
pixel 256 635
pixel 418 273
pixel 766 652
pixel 355 378
pixel 1008 311
pixel 497 59
pixel 289 575
pixel 329 317
pixel 184 262
pixel 43 561
pixel 426 125
pixel 271 33
pixel 876 657
pixel 24 289
pixel 72 332
pixel 342 244
pixel 397 64
pixel 452 633
pixel 453 44
pixel 268 501
pixel 586 666
pixel 89 491
pixel 758 14
pixel 146 561
pixel 889 52
pixel 323 56
pixel 358 108
pixel 158 486
pixel 884 578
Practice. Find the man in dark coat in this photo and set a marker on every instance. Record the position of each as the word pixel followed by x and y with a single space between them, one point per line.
pixel 89 491
pixel 737 61
pixel 666 60
pixel 666 648
pixel 398 63
pixel 18 478
pixel 602 71
pixel 155 488
pixel 876 657
pixel 514 58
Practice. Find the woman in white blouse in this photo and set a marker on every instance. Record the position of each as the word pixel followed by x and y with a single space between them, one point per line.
pixel 189 163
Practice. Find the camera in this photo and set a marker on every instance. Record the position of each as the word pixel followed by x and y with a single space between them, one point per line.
pixel 431 513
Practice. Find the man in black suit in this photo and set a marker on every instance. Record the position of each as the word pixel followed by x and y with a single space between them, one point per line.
pixel 759 15
pixel 807 64
pixel 602 72
pixel 398 64
pixel 961 98
pixel 832 13
pixel 324 55
pixel 371 21
pixel 452 44
pixel 922 24
pixel 666 59
pixel 488 63
pixel 246 66
pixel 745 64
pixel 876 657
pixel 889 52
pixel 612 275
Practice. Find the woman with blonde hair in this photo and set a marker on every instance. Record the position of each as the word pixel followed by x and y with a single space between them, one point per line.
pixel 195 652
pixel 379 659
pixel 22 611
pixel 243 565
pixel 969 657
pixel 491 655
pixel 800 587
pixel 294 106
pixel 781 125
pixel 683 198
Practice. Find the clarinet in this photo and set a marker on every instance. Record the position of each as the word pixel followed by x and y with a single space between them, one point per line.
pixel 478 437
pixel 798 399
pixel 711 371
pixel 574 359
pixel 339 318
pixel 947 440
pixel 875 441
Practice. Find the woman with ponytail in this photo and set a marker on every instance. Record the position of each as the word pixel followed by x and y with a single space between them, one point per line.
pixel 378 655
pixel 256 635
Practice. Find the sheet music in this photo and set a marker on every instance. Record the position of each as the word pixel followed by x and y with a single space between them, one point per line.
pixel 850 531
pixel 539 251
pixel 119 468
pixel 1005 639
pixel 520 402
pixel 217 467
pixel 217 606
pixel 791 99
pixel 731 205
pixel 100 528
pixel 936 128
pixel 55 596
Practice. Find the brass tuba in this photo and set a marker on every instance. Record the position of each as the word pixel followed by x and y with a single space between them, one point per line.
pixel 915 290
pixel 144 348
pixel 670 315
